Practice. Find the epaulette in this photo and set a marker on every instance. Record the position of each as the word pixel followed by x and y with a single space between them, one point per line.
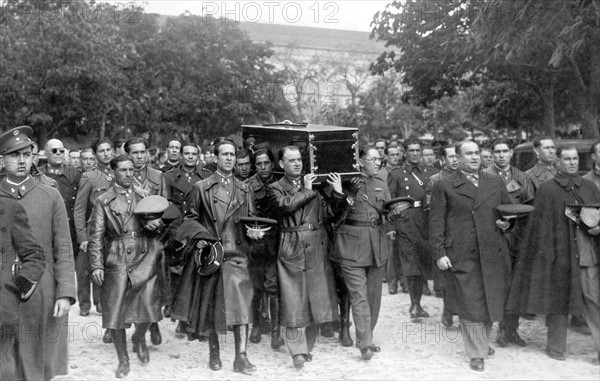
pixel 46 180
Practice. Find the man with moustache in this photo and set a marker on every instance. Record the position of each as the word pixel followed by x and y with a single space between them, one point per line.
pixel 209 303
pixel 557 271
pixel 124 258
pixel 173 156
pixel 449 170
pixel 67 178
pixel 471 249
pixel 263 256
pixel 545 168
pixel 88 160
pixel 361 248
pixel 520 190
pixel 306 285
pixel 47 311
pixel 153 181
pixel 410 180
pixel 91 185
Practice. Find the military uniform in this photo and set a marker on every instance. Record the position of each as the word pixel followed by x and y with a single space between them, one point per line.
pixel 167 166
pixel 594 176
pixel 540 173
pixel 362 248
pixel 410 180
pixel 91 185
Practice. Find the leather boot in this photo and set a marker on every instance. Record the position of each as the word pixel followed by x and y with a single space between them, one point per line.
pixel 139 342
pixel 276 340
pixel 119 340
pixel 447 318
pixel 214 352
pixel 418 283
pixel 345 338
pixel 241 362
pixel 404 285
pixel 107 337
pixel 155 336
pixel 256 332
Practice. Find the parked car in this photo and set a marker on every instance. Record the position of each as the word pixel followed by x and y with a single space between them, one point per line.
pixel 524 157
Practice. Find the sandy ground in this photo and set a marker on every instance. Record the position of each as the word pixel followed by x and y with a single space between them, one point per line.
pixel 409 350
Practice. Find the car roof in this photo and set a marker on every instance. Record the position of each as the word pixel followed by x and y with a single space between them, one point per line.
pixel 578 143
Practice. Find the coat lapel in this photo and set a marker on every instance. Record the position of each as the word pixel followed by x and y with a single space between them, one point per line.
pixel 239 196
pixel 486 190
pixel 464 186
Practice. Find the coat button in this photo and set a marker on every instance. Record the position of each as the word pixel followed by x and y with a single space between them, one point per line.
pixel 128 251
pixel 238 241
pixel 130 270
pixel 125 231
pixel 3 229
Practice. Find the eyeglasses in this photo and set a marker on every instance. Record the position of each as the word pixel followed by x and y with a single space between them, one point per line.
pixel 57 150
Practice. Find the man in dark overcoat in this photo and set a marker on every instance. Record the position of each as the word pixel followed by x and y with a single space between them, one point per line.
pixel 410 180
pixel 19 249
pixel 210 303
pixel 124 257
pixel 557 271
pixel 46 314
pixel 545 168
pixel 471 249
pixel 521 191
pixel 306 285
pixel 362 247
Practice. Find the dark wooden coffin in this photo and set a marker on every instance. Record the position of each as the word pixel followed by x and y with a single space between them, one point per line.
pixel 324 148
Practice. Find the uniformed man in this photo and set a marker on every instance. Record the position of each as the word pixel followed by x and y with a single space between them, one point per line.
pixel 361 248
pixel 210 302
pixel 67 178
pixel 380 146
pixel 594 174
pixel 410 180
pixel 48 308
pixel 306 285
pixel 393 155
pixel 19 248
pixel 173 156
pixel 180 180
pixel 520 190
pixel 91 185
pixel 263 256
pixel 487 158
pixel 153 181
pixel 125 257
pixel 545 168
pixel 88 160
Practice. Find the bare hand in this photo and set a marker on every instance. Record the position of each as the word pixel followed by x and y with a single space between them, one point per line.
pixel 444 263
pixel 153 225
pixel 336 181
pixel 255 234
pixel 61 307
pixel 98 276
pixel 83 246
pixel 391 235
pixel 355 185
pixel 308 180
pixel 201 244
pixel 594 231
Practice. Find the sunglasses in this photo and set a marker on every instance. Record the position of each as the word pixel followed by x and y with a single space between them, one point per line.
pixel 57 150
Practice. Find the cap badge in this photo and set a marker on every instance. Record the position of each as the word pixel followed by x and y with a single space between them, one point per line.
pixel 16 132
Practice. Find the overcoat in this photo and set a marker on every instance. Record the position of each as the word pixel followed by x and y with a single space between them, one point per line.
pixel 129 256
pixel 594 176
pixel 306 285
pixel 179 183
pixel 48 219
pixel 151 180
pixel 223 298
pixel 540 173
pixel 411 226
pixel 357 244
pixel 91 185
pixel 547 277
pixel 18 242
pixel 462 226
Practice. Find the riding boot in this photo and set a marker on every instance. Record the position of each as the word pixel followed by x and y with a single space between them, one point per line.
pixel 345 338
pixel 120 343
pixel 447 319
pixel 155 336
pixel 257 315
pixel 139 342
pixel 241 362
pixel 276 340
pixel 214 351
pixel 418 282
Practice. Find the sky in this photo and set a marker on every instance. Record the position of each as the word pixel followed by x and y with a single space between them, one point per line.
pixel 340 14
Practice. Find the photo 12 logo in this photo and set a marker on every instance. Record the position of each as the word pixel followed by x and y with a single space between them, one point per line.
pixel 272 11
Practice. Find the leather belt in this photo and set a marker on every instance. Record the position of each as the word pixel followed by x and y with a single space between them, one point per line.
pixel 372 223
pixel 300 228
pixel 124 236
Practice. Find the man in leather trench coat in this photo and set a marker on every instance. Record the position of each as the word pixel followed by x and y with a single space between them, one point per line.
pixel 210 303
pixel 306 286
pixel 124 257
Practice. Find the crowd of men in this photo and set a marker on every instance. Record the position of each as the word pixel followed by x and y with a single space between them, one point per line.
pixel 319 249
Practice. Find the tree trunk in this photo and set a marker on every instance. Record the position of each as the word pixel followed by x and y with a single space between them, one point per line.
pixel 103 127
pixel 547 98
pixel 589 111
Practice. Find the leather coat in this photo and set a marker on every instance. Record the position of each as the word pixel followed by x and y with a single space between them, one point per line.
pixel 306 285
pixel 129 256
